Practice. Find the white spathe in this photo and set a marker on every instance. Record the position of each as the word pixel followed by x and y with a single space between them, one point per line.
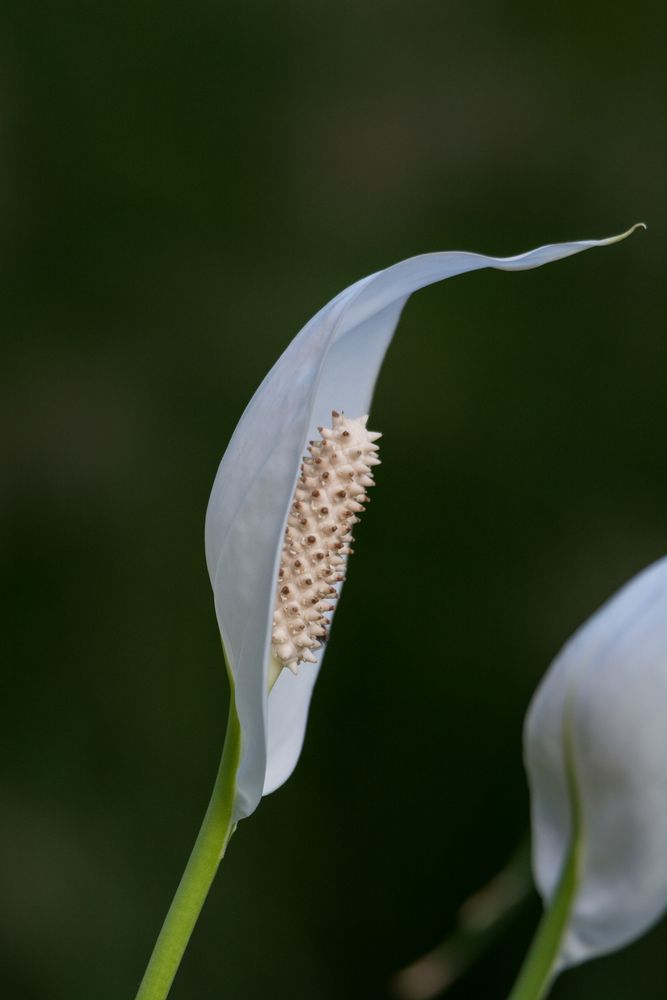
pixel 602 706
pixel 331 365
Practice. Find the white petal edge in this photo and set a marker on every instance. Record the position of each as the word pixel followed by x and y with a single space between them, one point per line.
pixel 607 692
pixel 331 364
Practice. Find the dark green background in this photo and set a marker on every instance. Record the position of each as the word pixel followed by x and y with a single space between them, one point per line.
pixel 181 187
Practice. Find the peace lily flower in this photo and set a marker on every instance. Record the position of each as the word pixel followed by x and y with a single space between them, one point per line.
pixel 330 366
pixel 596 756
pixel 292 480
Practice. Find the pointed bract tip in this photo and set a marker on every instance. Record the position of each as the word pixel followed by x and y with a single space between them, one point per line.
pixel 623 236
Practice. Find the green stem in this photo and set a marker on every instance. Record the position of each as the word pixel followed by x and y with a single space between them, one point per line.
pixel 214 835
pixel 537 972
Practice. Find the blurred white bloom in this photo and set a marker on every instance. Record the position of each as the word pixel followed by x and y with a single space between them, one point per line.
pixel 596 755
pixel 331 365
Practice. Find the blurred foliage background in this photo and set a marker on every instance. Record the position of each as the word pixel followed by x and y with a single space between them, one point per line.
pixel 181 187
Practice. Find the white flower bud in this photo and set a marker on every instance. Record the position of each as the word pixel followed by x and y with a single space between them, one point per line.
pixel 596 755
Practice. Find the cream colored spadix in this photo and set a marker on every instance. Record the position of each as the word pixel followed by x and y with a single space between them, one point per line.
pixel 596 755
pixel 330 492
pixel 331 365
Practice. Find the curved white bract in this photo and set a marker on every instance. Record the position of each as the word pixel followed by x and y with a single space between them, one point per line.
pixel 601 710
pixel 331 365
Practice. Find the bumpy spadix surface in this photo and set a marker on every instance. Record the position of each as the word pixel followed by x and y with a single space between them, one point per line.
pixel 603 706
pixel 331 365
pixel 330 492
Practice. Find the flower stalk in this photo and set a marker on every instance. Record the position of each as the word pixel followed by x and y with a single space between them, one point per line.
pixel 209 849
pixel 538 971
